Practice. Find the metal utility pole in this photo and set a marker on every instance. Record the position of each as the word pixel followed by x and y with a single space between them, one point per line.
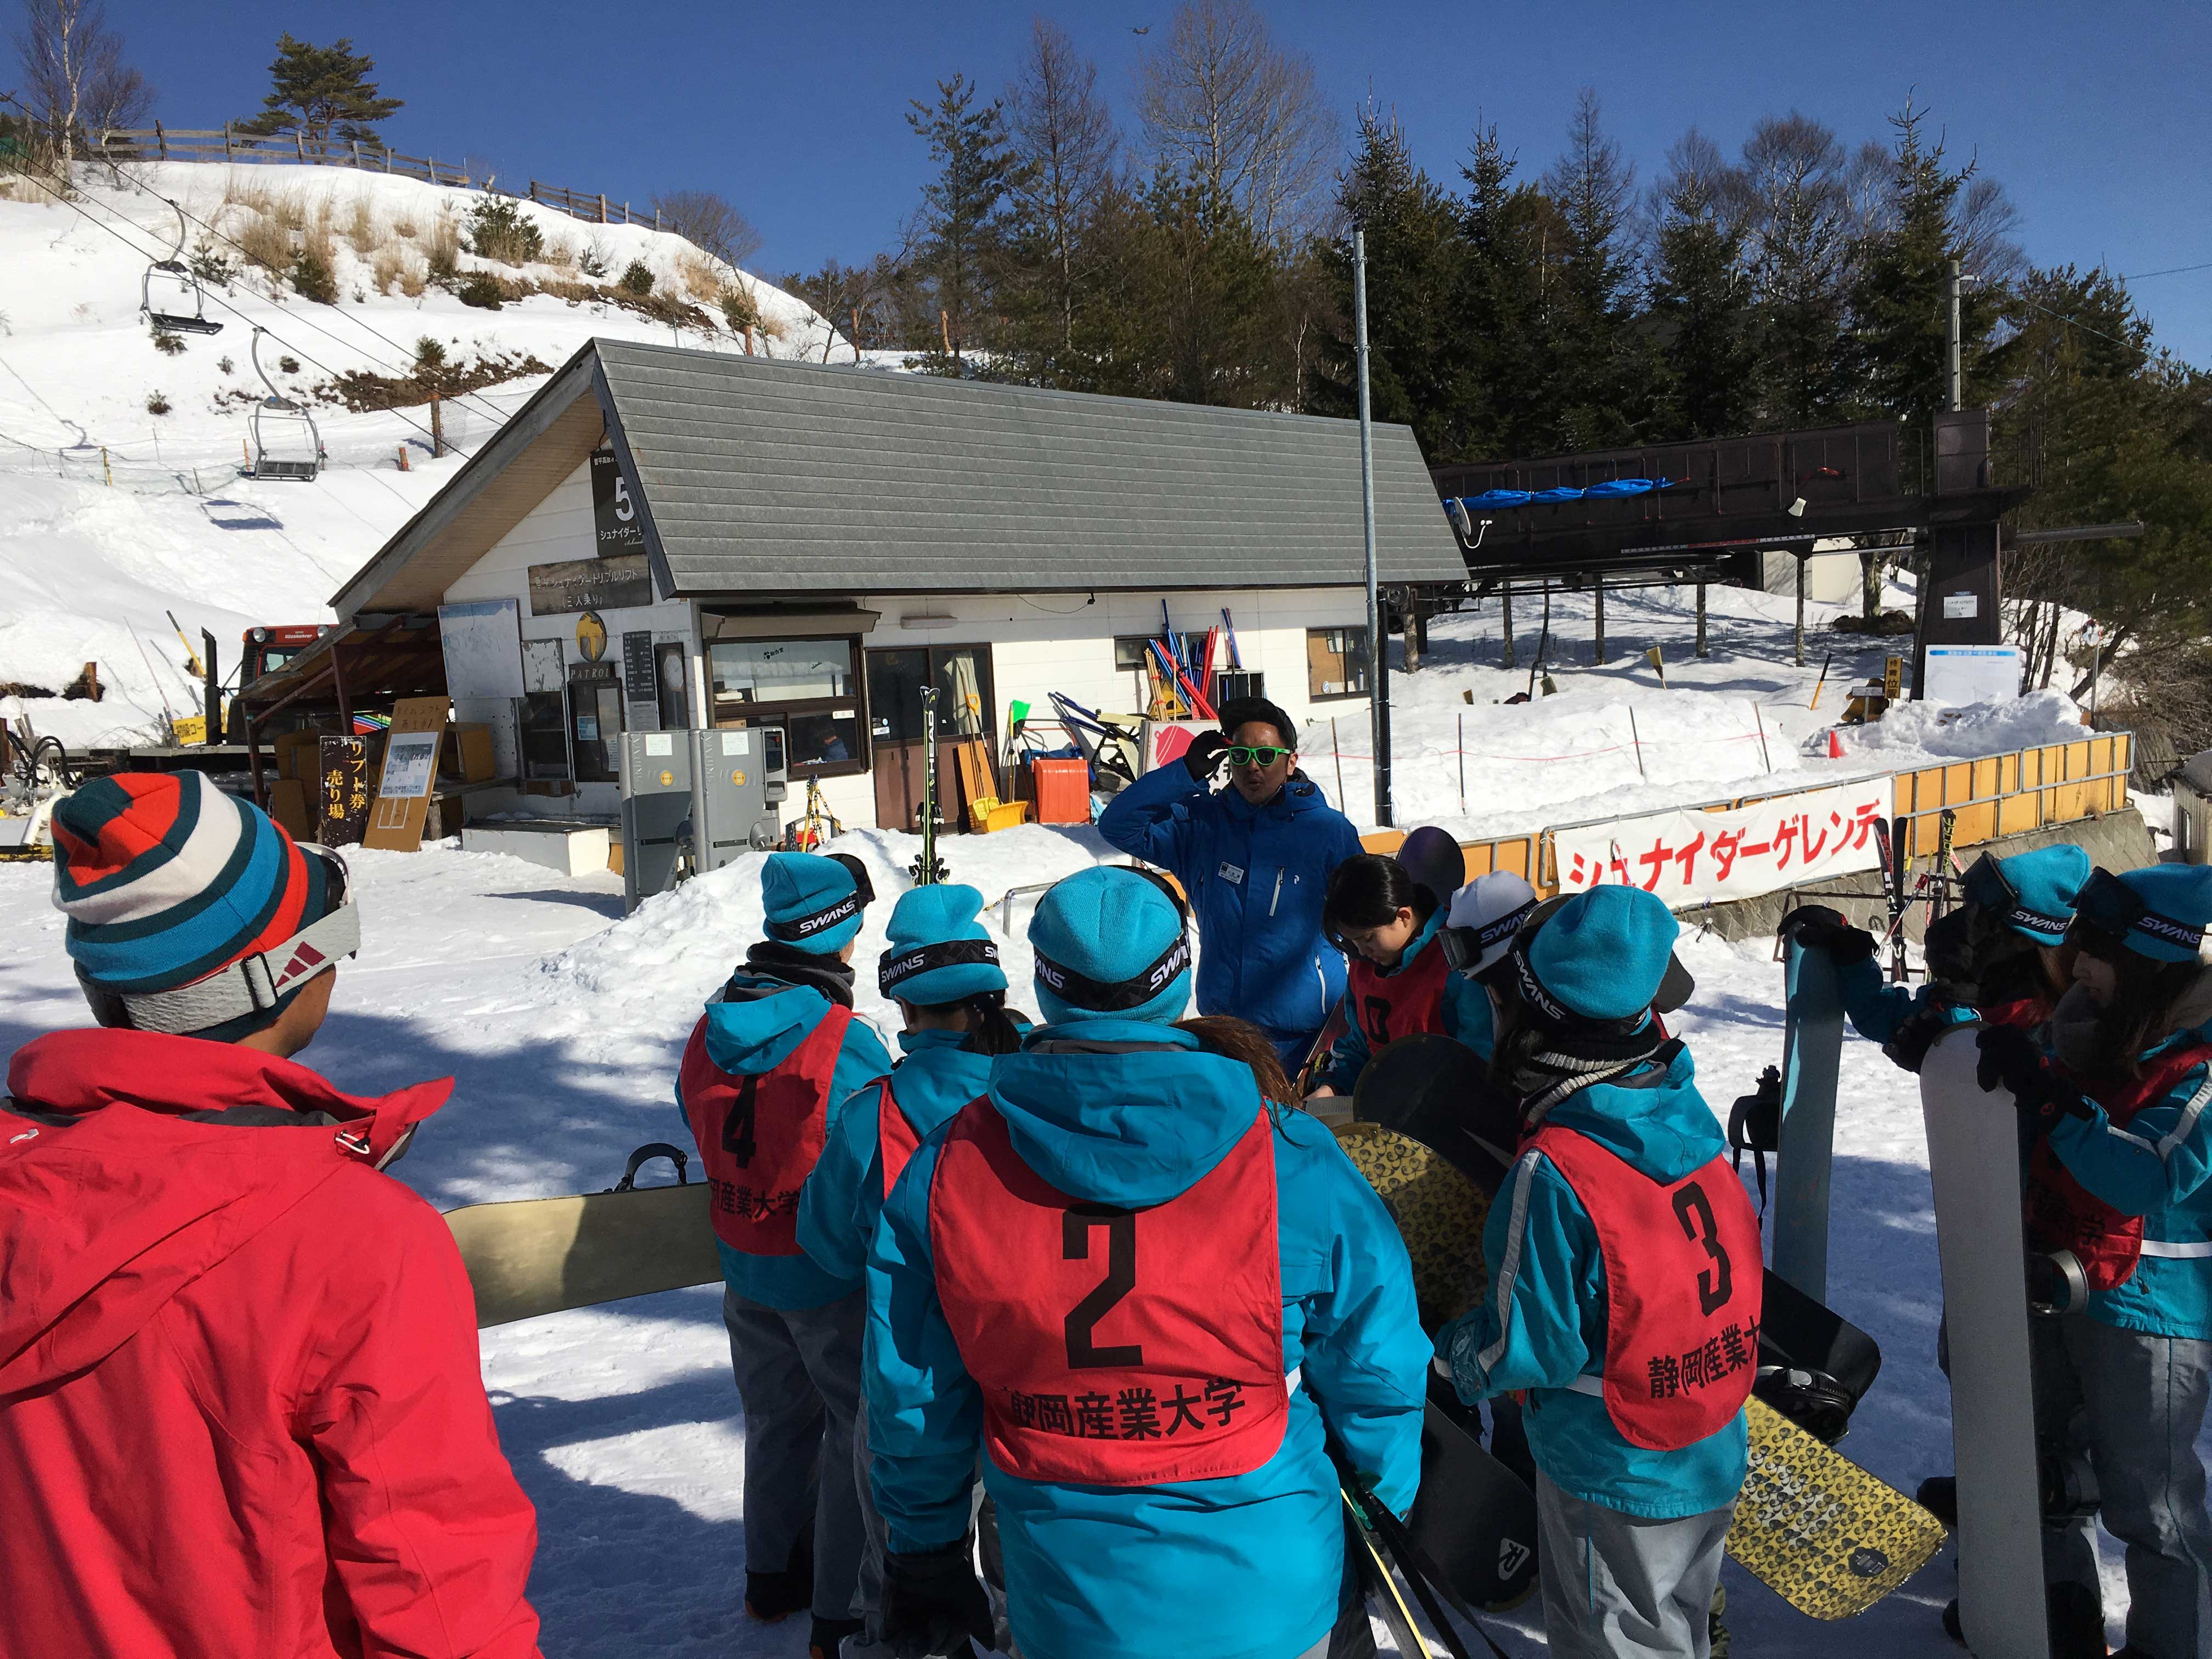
pixel 1951 355
pixel 1378 642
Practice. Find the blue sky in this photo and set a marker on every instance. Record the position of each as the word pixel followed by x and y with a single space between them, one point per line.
pixel 2097 119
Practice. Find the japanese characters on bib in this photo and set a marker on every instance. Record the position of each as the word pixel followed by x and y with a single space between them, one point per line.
pixel 760 1134
pixel 1683 1280
pixel 1114 1346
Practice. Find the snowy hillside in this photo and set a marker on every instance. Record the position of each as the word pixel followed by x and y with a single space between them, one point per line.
pixel 88 568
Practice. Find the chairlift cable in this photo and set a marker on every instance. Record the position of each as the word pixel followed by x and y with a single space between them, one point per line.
pixel 299 351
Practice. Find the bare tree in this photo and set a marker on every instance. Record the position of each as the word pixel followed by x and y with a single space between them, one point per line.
pixel 708 223
pixel 75 79
pixel 1065 145
pixel 1222 102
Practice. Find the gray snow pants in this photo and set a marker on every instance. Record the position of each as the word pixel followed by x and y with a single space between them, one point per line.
pixel 799 1377
pixel 1619 1587
pixel 2141 1400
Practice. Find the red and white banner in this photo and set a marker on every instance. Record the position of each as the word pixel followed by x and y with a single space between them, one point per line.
pixel 1688 857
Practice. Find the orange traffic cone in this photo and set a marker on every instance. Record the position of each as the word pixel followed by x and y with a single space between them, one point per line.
pixel 1835 745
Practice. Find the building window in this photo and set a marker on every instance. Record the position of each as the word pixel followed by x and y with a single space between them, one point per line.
pixel 1336 662
pixel 1133 651
pixel 595 723
pixel 806 690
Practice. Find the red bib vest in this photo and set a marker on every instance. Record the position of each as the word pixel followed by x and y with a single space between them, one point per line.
pixel 1399 1005
pixel 894 1133
pixel 1683 1285
pixel 1114 1348
pixel 761 1135
pixel 2061 1214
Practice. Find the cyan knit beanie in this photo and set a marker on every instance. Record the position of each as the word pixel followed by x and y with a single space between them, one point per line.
pixel 2032 892
pixel 939 952
pixel 813 902
pixel 1602 954
pixel 2176 922
pixel 1111 944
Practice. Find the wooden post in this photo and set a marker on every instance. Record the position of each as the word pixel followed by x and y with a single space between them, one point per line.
pixel 387 158
pixel 226 141
pixel 107 471
pixel 603 207
pixel 626 218
pixel 300 144
pixel 1337 749
pixel 1800 611
pixel 1505 602
pixel 161 141
pixel 1597 589
pixel 533 189
pixel 356 154
pixel 403 458
pixel 656 217
pixel 432 163
pixel 437 428
pixel 1701 620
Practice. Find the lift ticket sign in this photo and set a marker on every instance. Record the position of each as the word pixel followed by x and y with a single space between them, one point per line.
pixel 1688 857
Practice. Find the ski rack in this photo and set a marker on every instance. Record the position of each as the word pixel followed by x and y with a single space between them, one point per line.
pixel 184 284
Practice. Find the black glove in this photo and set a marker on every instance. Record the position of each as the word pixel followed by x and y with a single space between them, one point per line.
pixel 2009 1056
pixel 1917 1033
pixel 1204 754
pixel 933 1604
pixel 1816 927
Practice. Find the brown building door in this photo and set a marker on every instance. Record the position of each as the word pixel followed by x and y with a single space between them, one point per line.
pixel 962 674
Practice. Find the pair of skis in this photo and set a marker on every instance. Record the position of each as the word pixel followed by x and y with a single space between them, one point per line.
pixel 1934 885
pixel 1383 1554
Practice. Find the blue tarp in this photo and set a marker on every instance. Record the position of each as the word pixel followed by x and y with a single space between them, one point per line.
pixel 1491 500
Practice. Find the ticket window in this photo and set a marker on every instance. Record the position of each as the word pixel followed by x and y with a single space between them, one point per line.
pixel 806 691
pixel 595 728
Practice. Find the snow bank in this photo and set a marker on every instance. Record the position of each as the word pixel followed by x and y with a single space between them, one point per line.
pixel 1911 730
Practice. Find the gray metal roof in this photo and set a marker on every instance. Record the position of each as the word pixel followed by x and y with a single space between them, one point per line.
pixel 777 477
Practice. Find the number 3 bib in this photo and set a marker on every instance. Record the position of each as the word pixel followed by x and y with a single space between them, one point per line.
pixel 1683 1285
pixel 1114 1348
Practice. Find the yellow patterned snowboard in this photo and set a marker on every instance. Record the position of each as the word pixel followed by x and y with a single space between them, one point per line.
pixel 1820 1531
pixel 1439 1212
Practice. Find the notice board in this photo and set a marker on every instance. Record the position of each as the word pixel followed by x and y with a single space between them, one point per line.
pixel 402 806
pixel 343 770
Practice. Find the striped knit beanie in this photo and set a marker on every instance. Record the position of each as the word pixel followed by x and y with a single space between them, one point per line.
pixel 166 880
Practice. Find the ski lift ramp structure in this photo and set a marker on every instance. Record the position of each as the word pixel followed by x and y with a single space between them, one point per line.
pixel 286 442
pixel 170 296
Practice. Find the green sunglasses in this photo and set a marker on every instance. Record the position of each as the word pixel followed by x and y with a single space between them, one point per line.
pixel 1240 756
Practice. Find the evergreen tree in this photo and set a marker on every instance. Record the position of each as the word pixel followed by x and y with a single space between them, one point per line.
pixel 1507 379
pixel 1801 245
pixel 323 93
pixel 963 211
pixel 1901 299
pixel 1699 294
pixel 1415 367
pixel 1603 363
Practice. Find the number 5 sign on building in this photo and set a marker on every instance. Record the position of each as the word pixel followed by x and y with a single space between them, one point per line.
pixel 1688 857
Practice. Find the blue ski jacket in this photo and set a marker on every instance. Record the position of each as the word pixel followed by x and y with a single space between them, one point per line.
pixel 2159 1166
pixel 754 1035
pixel 1543 1259
pixel 1257 877
pixel 1467 1015
pixel 1877 1008
pixel 1246 1566
pixel 842 1200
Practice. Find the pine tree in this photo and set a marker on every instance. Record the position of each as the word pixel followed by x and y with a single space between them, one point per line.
pixel 1507 386
pixel 1604 366
pixel 963 210
pixel 322 92
pixel 1801 248
pixel 1902 297
pixel 1699 294
pixel 1414 257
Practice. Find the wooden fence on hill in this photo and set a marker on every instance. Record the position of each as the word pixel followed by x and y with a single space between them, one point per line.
pixel 228 143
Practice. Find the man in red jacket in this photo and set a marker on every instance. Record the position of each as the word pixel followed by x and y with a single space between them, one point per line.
pixel 240 1408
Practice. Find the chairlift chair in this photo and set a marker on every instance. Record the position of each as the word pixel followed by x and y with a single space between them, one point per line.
pixel 286 443
pixel 170 296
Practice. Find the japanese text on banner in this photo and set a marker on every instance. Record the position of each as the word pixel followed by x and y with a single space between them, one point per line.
pixel 1685 857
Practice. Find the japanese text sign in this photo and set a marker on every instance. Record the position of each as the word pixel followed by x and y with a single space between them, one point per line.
pixel 1686 857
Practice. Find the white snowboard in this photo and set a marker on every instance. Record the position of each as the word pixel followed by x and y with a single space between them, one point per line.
pixel 1812 1047
pixel 1974 1163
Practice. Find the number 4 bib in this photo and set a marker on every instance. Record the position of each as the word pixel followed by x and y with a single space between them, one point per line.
pixel 1114 1348
pixel 1683 1283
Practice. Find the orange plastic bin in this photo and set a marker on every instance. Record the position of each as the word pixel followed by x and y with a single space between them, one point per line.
pixel 1063 790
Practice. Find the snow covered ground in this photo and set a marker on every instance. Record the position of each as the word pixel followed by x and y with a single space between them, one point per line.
pixel 111 514
pixel 564 1025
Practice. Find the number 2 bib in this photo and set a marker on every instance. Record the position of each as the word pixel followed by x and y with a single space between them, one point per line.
pixel 1683 1283
pixel 1114 1348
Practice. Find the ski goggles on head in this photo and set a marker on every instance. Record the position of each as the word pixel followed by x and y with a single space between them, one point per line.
pixel 2107 910
pixel 1467 949
pixel 1255 754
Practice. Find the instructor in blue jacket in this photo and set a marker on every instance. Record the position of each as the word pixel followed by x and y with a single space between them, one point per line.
pixel 1254 856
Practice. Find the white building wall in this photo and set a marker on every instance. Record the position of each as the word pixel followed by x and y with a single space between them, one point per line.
pixel 1040 643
